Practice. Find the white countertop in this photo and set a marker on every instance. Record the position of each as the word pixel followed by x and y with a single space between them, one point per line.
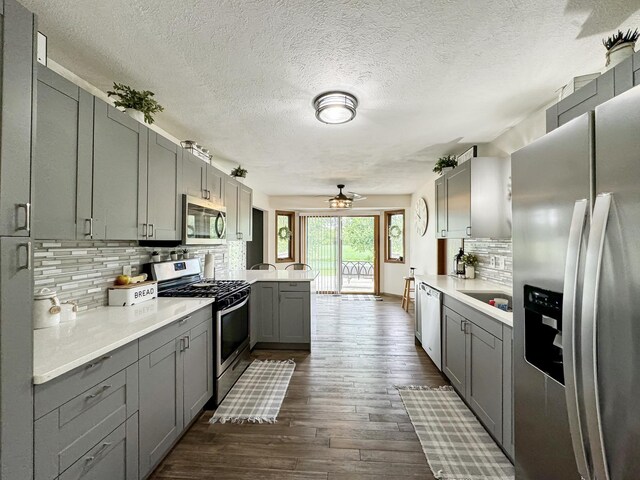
pixel 253 276
pixel 452 286
pixel 60 349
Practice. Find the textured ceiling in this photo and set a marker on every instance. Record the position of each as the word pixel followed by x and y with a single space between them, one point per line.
pixel 239 76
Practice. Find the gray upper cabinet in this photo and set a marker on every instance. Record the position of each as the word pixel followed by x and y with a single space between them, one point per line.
pixel 63 149
pixel 231 194
pixel 636 68
pixel 198 373
pixel 458 193
pixel 119 149
pixel 18 87
pixel 215 184
pixel 245 213
pixel 159 198
pixel 161 403
pixel 472 200
pixel 295 321
pixel 194 173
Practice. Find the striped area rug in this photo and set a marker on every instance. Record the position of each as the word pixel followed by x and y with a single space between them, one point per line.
pixel 257 395
pixel 456 445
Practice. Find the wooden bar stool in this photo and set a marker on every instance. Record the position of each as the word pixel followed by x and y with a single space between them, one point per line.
pixel 406 295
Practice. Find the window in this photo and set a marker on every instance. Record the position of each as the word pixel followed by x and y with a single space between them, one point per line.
pixel 285 236
pixel 394 236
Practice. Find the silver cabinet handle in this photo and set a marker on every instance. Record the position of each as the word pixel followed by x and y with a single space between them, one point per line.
pixel 468 231
pixel 443 233
pixel 462 322
pixel 182 347
pixel 466 324
pixel 589 334
pixel 27 247
pixel 98 362
pixel 570 327
pixel 187 342
pixel 27 216
pixel 182 320
pixel 144 230
pixel 98 392
pixel 209 194
pixel 151 230
pixel 98 452
pixel 90 220
pixel 239 235
pixel 204 193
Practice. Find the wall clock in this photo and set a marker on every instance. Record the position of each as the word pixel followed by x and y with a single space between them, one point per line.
pixel 421 216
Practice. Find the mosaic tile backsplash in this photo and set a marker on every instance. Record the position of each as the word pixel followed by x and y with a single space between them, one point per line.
pixel 484 248
pixel 82 271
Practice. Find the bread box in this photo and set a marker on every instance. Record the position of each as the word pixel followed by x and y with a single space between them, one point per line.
pixel 128 295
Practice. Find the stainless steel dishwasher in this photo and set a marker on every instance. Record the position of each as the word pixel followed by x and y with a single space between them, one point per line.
pixel 431 321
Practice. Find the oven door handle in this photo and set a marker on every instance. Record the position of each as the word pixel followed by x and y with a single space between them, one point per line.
pixel 235 307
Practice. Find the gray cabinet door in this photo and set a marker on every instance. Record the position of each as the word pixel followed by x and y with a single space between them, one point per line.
pixel 454 360
pixel 245 213
pixel 64 137
pixel 164 172
pixel 215 184
pixel 484 386
pixel 194 181
pixel 119 162
pixel 458 193
pixel 18 80
pixel 264 298
pixel 161 403
pixel 16 363
pixel 295 317
pixel 441 208
pixel 198 373
pixel 231 194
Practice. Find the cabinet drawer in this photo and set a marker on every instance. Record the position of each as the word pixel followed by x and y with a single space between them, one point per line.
pixel 294 286
pixel 160 337
pixel 50 395
pixel 107 460
pixel 62 436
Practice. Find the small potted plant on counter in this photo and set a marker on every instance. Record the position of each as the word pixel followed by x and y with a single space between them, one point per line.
pixel 155 256
pixel 446 163
pixel 185 253
pixel 138 104
pixel 239 173
pixel 620 46
pixel 470 263
pixel 173 255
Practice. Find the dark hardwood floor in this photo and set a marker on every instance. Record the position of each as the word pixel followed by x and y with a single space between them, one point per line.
pixel 342 418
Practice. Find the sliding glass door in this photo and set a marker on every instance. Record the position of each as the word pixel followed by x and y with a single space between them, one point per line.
pixel 344 250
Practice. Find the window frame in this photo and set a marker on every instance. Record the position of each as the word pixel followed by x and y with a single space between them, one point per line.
pixel 292 240
pixel 387 241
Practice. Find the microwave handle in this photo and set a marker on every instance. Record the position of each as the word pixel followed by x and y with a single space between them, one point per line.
pixel 224 225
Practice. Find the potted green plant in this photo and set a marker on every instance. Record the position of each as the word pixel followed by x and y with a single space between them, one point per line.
pixel 155 256
pixel 239 173
pixel 470 263
pixel 173 255
pixel 185 253
pixel 139 104
pixel 446 163
pixel 620 46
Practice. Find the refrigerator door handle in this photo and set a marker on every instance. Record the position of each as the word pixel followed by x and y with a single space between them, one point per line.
pixel 589 328
pixel 570 329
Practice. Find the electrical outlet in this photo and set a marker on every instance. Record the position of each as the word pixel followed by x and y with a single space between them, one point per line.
pixel 126 270
pixel 500 262
pixel 492 261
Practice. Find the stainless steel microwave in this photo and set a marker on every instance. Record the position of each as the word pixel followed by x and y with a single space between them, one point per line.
pixel 205 222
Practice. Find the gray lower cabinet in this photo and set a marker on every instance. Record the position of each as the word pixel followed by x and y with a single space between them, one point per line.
pixel 159 200
pixel 119 151
pixel 295 316
pixel 281 313
pixel 63 150
pixel 16 125
pixel 161 403
pixel 478 363
pixel 176 380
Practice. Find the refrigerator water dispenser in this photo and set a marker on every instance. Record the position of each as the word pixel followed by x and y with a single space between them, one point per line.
pixel 543 331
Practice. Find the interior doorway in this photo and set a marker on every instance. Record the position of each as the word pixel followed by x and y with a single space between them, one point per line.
pixel 255 248
pixel 344 249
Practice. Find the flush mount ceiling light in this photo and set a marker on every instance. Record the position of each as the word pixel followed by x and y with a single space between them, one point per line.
pixel 335 107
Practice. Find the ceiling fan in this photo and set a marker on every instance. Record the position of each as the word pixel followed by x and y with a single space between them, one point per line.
pixel 344 201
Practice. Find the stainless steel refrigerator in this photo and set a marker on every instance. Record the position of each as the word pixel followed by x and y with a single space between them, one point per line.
pixel 576 249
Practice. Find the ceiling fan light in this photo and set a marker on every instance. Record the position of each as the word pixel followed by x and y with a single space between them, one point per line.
pixel 335 108
pixel 340 203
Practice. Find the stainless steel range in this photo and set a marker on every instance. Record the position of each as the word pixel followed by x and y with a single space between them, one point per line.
pixel 183 278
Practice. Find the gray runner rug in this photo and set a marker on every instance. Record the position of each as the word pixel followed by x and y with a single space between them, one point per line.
pixel 258 393
pixel 456 445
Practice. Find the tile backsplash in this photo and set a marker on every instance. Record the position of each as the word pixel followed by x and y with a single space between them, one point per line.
pixel 484 249
pixel 82 271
